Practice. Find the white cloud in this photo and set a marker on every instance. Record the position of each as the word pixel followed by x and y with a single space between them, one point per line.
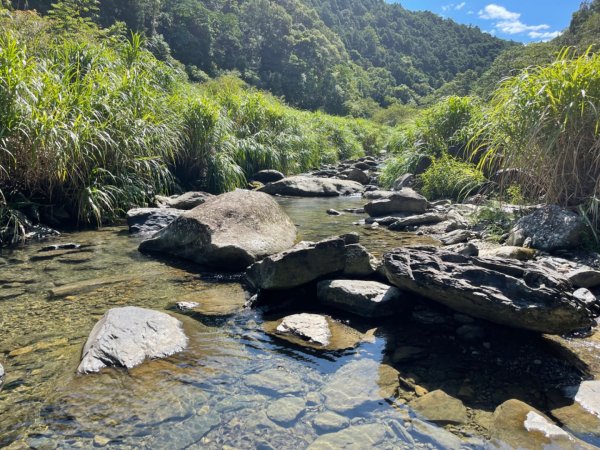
pixel 460 6
pixel 455 6
pixel 470 12
pixel 493 11
pixel 509 22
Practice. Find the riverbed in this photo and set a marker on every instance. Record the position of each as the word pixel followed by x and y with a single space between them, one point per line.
pixel 237 386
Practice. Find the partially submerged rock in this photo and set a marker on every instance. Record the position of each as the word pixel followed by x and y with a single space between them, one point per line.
pixel 357 175
pixel 268 176
pixel 439 407
pixel 229 231
pixel 404 201
pixel 125 337
pixel 311 327
pixel 363 298
pixel 582 417
pixel 150 220
pixel 417 220
pixel 186 201
pixel 517 294
pixel 549 228
pixel 303 186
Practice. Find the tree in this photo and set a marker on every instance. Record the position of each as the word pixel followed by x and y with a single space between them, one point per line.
pixel 70 16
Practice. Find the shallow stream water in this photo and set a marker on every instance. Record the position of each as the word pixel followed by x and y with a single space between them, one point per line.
pixel 236 386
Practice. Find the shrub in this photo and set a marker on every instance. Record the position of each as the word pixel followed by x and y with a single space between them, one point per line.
pixel 448 177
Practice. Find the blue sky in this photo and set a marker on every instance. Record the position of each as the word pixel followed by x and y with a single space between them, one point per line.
pixel 519 20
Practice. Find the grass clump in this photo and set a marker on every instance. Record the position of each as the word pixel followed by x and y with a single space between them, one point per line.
pixel 447 177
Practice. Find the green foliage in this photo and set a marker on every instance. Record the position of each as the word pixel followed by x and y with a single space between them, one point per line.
pixel 71 16
pixel 494 220
pixel 448 177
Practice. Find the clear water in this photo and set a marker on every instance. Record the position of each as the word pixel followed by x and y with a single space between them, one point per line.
pixel 222 391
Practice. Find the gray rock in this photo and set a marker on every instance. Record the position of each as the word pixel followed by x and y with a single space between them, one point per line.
pixel 268 176
pixel 186 201
pixel 378 195
pixel 229 231
pixel 303 186
pixel 510 252
pixel 286 410
pixel 333 212
pixel 363 165
pixel 352 386
pixel 419 219
pixel 358 437
pixel 357 175
pixel 150 220
pixel 125 337
pixel 359 262
pixel 311 327
pixel 508 292
pixel 328 422
pixel 404 181
pixel 363 298
pixel 549 228
pixel 305 262
pixel 584 277
pixel 279 381
pixel 585 297
pixel 404 201
pixel 457 237
pixel 439 407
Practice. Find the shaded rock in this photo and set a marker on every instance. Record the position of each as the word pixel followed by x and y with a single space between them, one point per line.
pixel 305 262
pixel 125 337
pixel 302 186
pixel 407 353
pixel 363 165
pixel 357 175
pixel 471 333
pixel 378 194
pixel 420 219
pixel 513 293
pixel 404 201
pixel 278 381
pixel 186 201
pixel 584 277
pixel 353 386
pixel 583 416
pixel 333 212
pixel 268 176
pixel 510 252
pixel 328 421
pixel 457 237
pixel 363 298
pixel 286 410
pixel 229 231
pixel 404 181
pixel 150 220
pixel 439 407
pixel 549 228
pixel 311 327
pixel 359 262
pixel 358 437
pixel 519 425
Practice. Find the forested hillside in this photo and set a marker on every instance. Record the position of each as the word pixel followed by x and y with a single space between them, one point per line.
pixel 346 57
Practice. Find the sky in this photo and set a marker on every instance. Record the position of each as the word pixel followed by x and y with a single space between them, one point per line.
pixel 518 20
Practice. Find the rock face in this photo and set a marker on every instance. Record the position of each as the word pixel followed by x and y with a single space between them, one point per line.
pixel 186 201
pixel 311 327
pixel 363 298
pixel 268 176
pixel 229 231
pixel 150 220
pixel 404 201
pixel 549 228
pixel 513 293
pixel 302 186
pixel 303 263
pixel 125 337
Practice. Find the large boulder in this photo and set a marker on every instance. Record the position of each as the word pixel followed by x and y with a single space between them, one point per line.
pixel 268 176
pixel 188 200
pixel 302 186
pixel 150 220
pixel 404 201
pixel 126 337
pixel 363 298
pixel 508 292
pixel 354 174
pixel 229 231
pixel 549 228
pixel 303 263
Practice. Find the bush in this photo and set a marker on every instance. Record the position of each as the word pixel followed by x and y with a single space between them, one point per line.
pixel 448 177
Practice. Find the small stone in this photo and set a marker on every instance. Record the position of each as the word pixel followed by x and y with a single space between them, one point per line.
pixel 439 407
pixel 313 399
pixel 312 327
pixel 286 410
pixel 329 421
pixel 101 441
pixel 279 381
pixel 333 212
pixel 187 306
pixel 420 391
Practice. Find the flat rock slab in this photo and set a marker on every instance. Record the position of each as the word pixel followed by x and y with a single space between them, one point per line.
pixel 404 201
pixel 507 292
pixel 352 386
pixel 311 327
pixel 417 220
pixel 363 298
pixel 328 422
pixel 303 263
pixel 125 337
pixel 286 411
pixel 278 381
pixel 358 437
pixel 303 186
pixel 439 407
pixel 228 232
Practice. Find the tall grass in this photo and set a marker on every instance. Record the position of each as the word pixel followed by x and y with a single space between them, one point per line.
pixel 546 123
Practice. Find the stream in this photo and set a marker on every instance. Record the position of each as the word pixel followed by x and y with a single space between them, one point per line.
pixel 236 385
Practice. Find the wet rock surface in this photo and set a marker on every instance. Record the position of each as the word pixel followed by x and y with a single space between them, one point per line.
pixel 304 186
pixel 229 231
pixel 126 337
pixel 519 295
pixel 404 201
